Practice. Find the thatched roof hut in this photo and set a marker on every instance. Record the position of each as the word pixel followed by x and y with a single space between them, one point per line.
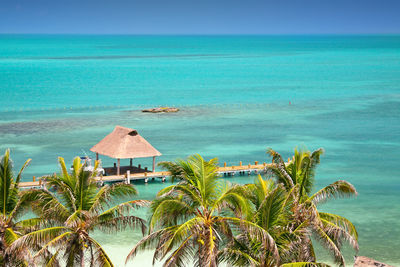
pixel 125 143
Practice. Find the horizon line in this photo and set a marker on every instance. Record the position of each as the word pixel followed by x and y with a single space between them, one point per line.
pixel 212 34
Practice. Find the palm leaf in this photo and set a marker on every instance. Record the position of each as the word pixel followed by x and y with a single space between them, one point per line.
pixel 330 244
pixel 149 241
pixel 237 257
pixel 110 192
pixel 10 236
pixel 56 242
pixel 100 256
pixel 304 264
pixel 337 189
pixel 258 233
pixel 181 255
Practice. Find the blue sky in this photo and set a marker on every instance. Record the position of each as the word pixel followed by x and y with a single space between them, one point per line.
pixel 200 16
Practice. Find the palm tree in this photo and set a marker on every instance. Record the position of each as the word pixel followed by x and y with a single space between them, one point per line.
pixel 272 210
pixel 193 219
pixel 298 176
pixel 73 213
pixel 12 206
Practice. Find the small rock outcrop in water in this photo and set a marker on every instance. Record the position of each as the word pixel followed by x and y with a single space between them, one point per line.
pixel 362 261
pixel 161 110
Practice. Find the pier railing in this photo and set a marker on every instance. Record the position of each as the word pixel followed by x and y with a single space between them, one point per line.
pixel 128 177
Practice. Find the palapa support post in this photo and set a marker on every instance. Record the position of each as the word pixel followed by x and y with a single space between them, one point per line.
pixel 97 156
pixel 154 164
pixel 118 167
pixel 128 177
pixel 130 163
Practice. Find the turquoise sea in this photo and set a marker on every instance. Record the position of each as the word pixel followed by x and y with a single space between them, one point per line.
pixel 59 95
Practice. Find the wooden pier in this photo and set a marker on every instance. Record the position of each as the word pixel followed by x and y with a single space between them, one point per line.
pixel 146 176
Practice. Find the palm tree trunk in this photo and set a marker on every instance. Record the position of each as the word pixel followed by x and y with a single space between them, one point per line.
pixel 82 258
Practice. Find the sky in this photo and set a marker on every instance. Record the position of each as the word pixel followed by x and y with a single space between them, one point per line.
pixel 200 16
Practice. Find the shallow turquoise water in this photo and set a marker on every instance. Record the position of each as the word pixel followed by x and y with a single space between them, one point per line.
pixel 62 94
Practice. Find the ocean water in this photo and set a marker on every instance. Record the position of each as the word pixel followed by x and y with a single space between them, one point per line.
pixel 238 95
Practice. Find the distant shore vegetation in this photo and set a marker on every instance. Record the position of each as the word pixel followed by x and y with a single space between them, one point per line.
pixel 199 220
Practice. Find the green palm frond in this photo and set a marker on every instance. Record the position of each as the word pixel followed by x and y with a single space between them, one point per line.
pixel 341 222
pixel 257 233
pixel 9 191
pixel 182 255
pixel 112 192
pixel 18 179
pixel 278 168
pixel 165 190
pixel 73 252
pixel 339 228
pixel 64 191
pixel 232 196
pixel 53 260
pixel 35 239
pixel 10 236
pixel 237 257
pixel 120 223
pixel 124 208
pixel 6 180
pixel 31 224
pixel 101 258
pixel 64 171
pixel 335 190
pixel 304 264
pixel 46 204
pixel 56 243
pixel 152 240
pixel 264 186
pixel 181 232
pixel 166 211
pixel 327 242
pixel 269 211
pixel 175 170
pixel 188 191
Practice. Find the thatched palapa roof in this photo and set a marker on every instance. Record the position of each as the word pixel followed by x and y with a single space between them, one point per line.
pixel 124 143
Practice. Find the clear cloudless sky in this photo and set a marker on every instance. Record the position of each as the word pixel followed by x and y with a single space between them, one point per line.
pixel 200 16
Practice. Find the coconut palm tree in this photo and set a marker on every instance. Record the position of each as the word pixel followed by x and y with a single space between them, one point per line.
pixel 193 219
pixel 298 176
pixel 12 206
pixel 272 210
pixel 73 213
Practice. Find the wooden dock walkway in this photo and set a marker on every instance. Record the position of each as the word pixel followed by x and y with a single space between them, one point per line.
pixel 223 171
